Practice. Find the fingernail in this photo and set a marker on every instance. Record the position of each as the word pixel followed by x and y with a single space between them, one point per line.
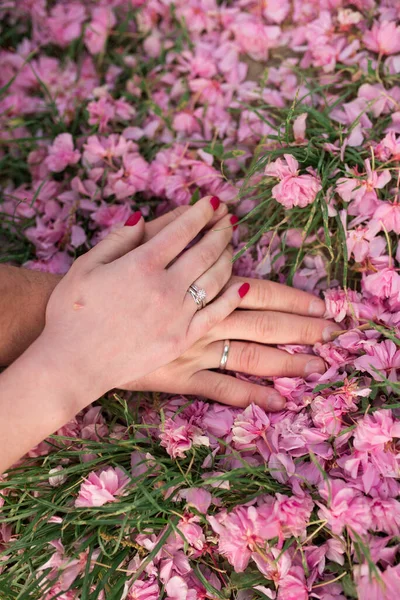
pixel 317 308
pixel 133 219
pixel 244 288
pixel 215 202
pixel 327 334
pixel 275 401
pixel 315 365
pixel 234 219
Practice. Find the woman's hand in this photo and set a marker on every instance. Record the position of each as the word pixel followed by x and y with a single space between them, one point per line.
pixel 124 308
pixel 276 314
pixel 121 309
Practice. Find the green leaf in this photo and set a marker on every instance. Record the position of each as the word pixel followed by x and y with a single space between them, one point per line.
pixel 349 587
pixel 195 197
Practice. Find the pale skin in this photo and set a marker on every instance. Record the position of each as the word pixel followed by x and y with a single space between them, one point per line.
pixel 64 365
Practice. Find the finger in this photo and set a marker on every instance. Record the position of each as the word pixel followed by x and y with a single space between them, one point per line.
pixel 263 361
pixel 214 280
pixel 271 327
pixel 235 392
pixel 268 295
pixel 197 260
pixel 174 238
pixel 117 243
pixel 214 313
pixel 157 225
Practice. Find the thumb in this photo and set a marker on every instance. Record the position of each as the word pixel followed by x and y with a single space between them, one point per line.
pixel 118 242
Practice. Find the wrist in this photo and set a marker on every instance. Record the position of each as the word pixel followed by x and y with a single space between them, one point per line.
pixel 62 374
pixel 25 295
pixel 39 394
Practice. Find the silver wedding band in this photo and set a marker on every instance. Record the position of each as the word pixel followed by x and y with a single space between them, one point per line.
pixel 199 296
pixel 224 357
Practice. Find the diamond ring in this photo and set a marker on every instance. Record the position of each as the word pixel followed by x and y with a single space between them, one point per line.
pixel 199 296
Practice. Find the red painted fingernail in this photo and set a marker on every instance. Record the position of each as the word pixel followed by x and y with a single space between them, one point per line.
pixel 234 220
pixel 134 219
pixel 244 288
pixel 215 202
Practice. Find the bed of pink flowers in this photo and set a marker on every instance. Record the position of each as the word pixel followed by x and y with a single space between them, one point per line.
pixel 289 111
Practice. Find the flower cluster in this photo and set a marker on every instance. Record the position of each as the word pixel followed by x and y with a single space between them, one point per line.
pixel 289 111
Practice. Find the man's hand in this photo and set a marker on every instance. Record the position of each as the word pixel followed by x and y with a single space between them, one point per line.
pixel 275 314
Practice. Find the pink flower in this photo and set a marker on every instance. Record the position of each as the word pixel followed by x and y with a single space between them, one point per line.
pixel 376 430
pixel 388 214
pixel 192 532
pixel 45 236
pixel 178 589
pixel 253 37
pixel 65 22
pixel 132 178
pixel 186 122
pixel 179 435
pixel 386 516
pixel 293 513
pixel 383 38
pixel 219 420
pixel 242 530
pixel 96 33
pixel 66 569
pixel 293 586
pixel 299 128
pixel 380 357
pixel 327 413
pixel 361 240
pixel 56 593
pixel 384 284
pixel 361 190
pixel 249 426
pixel 293 189
pixel 275 566
pixel 276 10
pixel 109 216
pixel 101 112
pixel 142 590
pixel 62 153
pixel 98 149
pixel 199 498
pixel 371 588
pixel 347 507
pixel 102 487
pixel 388 148
pixel 339 302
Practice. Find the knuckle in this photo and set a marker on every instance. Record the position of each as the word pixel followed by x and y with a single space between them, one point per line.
pixel 146 259
pixel 249 397
pixel 210 320
pixel 185 231
pixel 249 357
pixel 264 326
pixel 208 255
pixel 262 292
pixel 79 264
pixel 226 259
pixel 292 303
pixel 179 210
pixel 289 365
pixel 115 236
pixel 310 333
pixel 222 388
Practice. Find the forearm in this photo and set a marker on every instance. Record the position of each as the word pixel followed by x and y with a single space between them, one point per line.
pixel 23 298
pixel 39 393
